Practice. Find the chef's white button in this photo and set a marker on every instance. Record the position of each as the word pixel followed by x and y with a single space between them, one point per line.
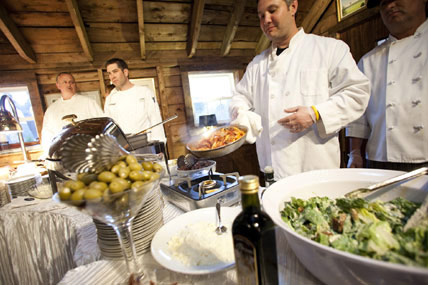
pixel 272 96
pixel 392 82
pixel 417 55
pixel 416 102
pixel 390 105
pixel 390 128
pixel 418 34
pixel 392 61
pixel 418 128
pixel 416 79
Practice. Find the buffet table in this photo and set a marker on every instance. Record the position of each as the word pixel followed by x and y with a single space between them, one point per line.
pixel 40 240
pixel 114 272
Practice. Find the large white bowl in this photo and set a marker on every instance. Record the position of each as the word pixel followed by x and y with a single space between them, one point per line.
pixel 328 264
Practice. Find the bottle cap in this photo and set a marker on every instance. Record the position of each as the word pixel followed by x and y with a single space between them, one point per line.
pixel 249 184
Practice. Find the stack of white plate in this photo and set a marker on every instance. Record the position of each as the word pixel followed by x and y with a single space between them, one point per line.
pixel 144 226
pixel 5 196
pixel 19 186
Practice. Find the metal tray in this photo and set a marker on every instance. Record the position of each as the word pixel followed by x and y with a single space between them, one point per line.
pixel 220 151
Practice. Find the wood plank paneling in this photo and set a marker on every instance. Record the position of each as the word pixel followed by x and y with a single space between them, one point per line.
pixel 42 19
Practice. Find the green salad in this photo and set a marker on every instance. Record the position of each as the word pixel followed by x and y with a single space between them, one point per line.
pixel 371 229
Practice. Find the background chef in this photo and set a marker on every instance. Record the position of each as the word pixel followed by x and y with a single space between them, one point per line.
pixel 394 123
pixel 132 107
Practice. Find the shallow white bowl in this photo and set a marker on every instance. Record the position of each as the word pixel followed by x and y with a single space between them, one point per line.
pixel 328 264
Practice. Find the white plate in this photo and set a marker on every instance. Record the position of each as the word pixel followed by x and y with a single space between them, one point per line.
pixel 160 241
pixel 331 265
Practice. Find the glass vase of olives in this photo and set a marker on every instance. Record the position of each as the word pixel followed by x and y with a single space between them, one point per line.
pixel 115 197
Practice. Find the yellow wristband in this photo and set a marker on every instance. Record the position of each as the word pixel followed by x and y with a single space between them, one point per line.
pixel 317 115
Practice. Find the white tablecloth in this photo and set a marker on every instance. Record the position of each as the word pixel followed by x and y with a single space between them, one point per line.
pixel 41 240
pixel 114 272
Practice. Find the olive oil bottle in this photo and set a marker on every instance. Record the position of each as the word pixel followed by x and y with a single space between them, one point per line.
pixel 254 238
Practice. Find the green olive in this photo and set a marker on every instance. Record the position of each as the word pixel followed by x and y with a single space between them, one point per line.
pixel 147 175
pixel 65 193
pixel 121 163
pixel 135 166
pixel 115 168
pixel 106 176
pixel 157 167
pixel 76 185
pixel 68 183
pixel 77 197
pixel 87 178
pixel 117 187
pixel 124 172
pixel 136 175
pixel 131 159
pixel 155 176
pixel 102 186
pixel 122 181
pixel 137 185
pixel 147 165
pixel 92 194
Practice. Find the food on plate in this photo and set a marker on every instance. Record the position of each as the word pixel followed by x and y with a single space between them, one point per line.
pixel 371 229
pixel 199 245
pixel 123 175
pixel 218 138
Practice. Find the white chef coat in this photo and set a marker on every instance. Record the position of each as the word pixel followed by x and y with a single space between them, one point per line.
pixel 313 70
pixel 135 110
pixel 83 107
pixel 396 118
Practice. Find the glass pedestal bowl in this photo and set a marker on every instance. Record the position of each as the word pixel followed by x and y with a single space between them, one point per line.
pixel 114 206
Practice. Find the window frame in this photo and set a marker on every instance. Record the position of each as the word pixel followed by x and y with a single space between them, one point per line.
pixel 186 89
pixel 29 80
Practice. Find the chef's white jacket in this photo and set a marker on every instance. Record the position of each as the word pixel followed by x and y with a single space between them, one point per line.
pixel 397 115
pixel 313 70
pixel 83 107
pixel 134 110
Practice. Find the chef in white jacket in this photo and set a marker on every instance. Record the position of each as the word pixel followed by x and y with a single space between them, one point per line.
pixel 132 107
pixel 394 123
pixel 306 88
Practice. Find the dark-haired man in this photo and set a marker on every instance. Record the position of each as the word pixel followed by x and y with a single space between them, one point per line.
pixel 305 88
pixel 132 107
pixel 395 120
pixel 70 103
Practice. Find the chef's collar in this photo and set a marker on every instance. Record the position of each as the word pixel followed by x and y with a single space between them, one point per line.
pixel 422 29
pixel 294 40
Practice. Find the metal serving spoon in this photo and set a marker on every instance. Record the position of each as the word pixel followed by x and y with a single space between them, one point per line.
pixel 220 228
pixel 400 178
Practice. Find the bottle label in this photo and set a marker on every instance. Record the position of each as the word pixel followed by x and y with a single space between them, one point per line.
pixel 246 260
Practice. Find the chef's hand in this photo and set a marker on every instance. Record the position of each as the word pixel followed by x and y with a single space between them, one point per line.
pixel 355 159
pixel 302 118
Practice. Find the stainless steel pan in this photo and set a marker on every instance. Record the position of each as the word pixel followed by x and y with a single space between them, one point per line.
pixel 217 152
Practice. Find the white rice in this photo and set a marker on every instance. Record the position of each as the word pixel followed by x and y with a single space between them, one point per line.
pixel 198 245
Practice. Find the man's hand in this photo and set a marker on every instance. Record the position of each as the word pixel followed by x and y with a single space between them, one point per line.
pixel 302 118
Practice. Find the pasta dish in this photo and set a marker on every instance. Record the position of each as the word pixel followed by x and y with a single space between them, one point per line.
pixel 218 138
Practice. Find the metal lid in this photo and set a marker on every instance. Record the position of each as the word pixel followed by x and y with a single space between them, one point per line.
pixel 249 184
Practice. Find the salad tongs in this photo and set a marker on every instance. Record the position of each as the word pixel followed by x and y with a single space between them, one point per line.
pixel 400 178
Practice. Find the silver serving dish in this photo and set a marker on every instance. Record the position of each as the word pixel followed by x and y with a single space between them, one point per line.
pixel 217 152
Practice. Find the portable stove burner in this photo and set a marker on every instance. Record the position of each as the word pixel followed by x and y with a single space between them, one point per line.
pixel 203 191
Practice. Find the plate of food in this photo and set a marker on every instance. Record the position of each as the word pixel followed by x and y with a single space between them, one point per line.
pixel 218 142
pixel 189 244
pixel 352 241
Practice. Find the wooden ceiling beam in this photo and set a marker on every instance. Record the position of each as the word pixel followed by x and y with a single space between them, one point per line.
pixel 80 28
pixel 140 11
pixel 195 27
pixel 312 18
pixel 15 37
pixel 232 26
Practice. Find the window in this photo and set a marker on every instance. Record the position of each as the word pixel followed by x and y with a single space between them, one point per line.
pixel 21 98
pixel 211 93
